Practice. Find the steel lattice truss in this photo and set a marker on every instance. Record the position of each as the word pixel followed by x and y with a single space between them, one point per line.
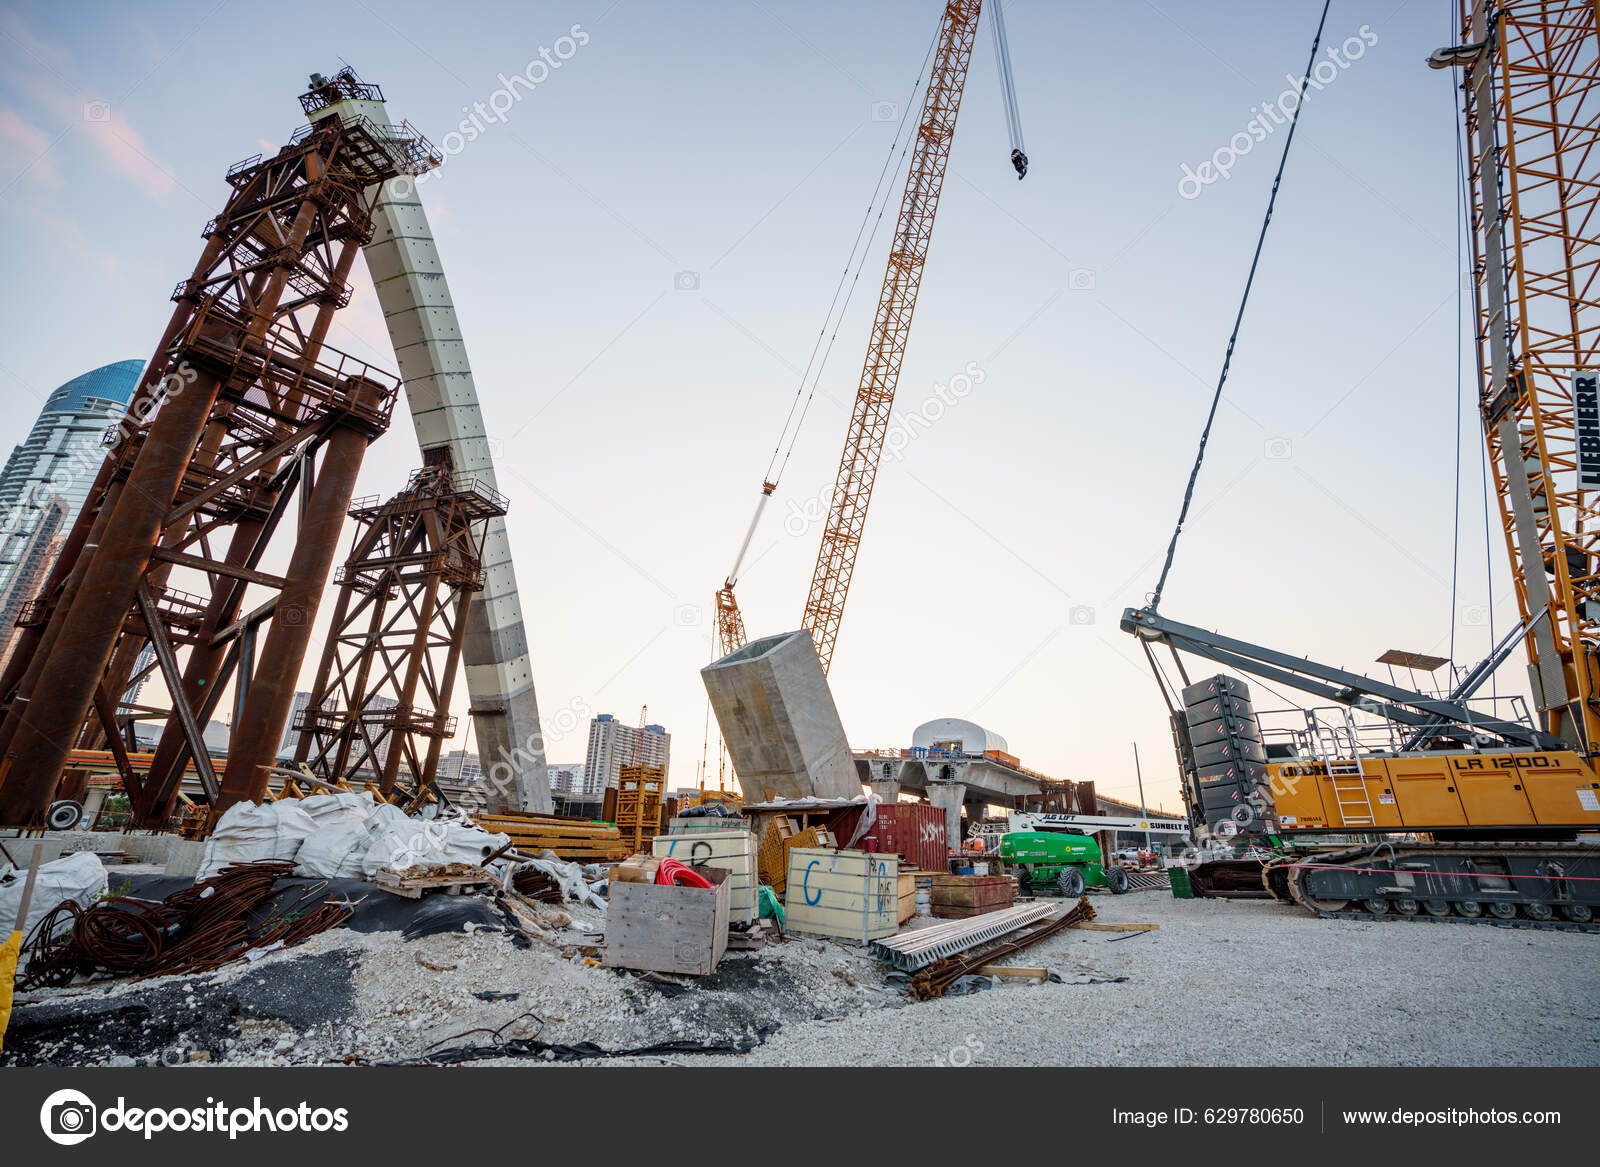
pixel 891 327
pixel 380 708
pixel 1535 95
pixel 246 417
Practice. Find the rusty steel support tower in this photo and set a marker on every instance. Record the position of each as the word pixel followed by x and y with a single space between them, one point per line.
pixel 380 705
pixel 246 418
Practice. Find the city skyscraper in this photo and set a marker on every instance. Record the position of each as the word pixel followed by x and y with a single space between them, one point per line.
pixel 611 748
pixel 56 463
pixel 35 553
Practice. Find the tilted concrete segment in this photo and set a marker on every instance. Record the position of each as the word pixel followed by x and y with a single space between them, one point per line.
pixel 421 319
pixel 779 721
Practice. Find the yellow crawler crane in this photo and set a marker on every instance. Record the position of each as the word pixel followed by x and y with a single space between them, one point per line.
pixel 1450 807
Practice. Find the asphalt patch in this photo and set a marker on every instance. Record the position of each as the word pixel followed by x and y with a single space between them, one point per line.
pixel 156 1021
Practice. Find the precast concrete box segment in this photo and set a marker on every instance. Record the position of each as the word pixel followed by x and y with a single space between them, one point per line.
pixel 414 296
pixel 778 718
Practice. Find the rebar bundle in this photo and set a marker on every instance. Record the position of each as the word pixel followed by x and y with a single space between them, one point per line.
pixel 197 929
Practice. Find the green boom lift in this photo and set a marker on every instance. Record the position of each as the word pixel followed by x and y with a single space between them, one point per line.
pixel 1069 861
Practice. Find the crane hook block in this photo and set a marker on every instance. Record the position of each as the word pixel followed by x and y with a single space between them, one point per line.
pixel 1019 160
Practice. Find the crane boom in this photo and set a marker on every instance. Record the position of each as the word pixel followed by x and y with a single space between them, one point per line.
pixel 1532 94
pixel 891 327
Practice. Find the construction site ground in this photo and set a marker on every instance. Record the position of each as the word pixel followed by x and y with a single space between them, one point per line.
pixel 1219 983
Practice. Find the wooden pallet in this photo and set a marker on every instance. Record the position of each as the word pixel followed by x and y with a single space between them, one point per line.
pixel 413 887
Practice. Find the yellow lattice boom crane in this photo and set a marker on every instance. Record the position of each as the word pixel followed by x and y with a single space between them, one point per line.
pixel 891 329
pixel 1533 125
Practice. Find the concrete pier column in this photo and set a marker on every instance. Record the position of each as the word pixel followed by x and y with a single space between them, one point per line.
pixel 949 796
pixel 881 776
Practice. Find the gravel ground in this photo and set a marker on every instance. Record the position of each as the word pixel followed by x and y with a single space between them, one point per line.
pixel 1249 982
pixel 1221 983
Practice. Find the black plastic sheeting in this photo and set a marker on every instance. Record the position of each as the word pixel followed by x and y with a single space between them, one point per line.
pixel 374 910
pixel 581 1051
pixel 709 810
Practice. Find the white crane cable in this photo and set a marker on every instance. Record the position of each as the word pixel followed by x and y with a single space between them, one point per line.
pixel 898 153
pixel 1008 84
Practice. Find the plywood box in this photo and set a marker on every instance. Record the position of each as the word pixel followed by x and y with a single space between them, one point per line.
pixel 849 894
pixel 656 928
pixel 907 896
pixel 730 851
pixel 635 869
pixel 971 895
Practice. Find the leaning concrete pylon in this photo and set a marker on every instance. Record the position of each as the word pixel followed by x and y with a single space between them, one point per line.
pixel 777 715
pixel 409 278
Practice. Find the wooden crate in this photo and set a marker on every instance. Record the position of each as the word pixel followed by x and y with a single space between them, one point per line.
pixel 655 928
pixel 849 894
pixel 731 851
pixel 955 896
pixel 908 896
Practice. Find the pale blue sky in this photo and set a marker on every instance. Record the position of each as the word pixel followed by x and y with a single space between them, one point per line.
pixel 737 141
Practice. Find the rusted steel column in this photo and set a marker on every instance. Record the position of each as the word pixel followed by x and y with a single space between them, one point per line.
pixel 319 690
pixel 31 668
pixel 95 507
pixel 255 737
pixel 447 684
pixel 203 669
pixel 427 612
pixel 47 723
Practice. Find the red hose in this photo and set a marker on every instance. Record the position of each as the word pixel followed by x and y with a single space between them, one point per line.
pixel 672 873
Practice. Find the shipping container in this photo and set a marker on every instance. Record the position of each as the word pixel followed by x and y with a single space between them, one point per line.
pixel 913 831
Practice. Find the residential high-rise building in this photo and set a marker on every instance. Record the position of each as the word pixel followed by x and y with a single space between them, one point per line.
pixel 59 459
pixel 566 777
pixel 35 555
pixel 611 745
pixel 291 736
pixel 459 766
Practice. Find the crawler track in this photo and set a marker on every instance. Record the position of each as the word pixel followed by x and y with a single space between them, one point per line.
pixel 1548 886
